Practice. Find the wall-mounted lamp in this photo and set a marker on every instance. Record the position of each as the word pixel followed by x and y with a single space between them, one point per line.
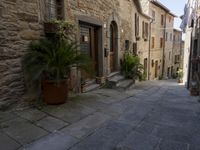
pixel 122 31
pixel 104 25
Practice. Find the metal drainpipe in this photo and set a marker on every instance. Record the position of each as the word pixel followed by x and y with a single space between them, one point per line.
pixel 149 52
pixel 164 35
pixel 190 58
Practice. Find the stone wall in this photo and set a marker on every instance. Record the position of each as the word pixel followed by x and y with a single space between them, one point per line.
pixel 19 24
pixel 177 50
pixel 21 21
pixel 169 46
pixel 105 11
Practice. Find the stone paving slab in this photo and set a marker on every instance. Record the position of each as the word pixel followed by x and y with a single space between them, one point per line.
pixel 6 116
pixel 138 141
pixel 172 145
pixel 51 124
pixel 87 125
pixel 157 115
pixel 106 138
pixel 23 131
pixel 177 134
pixel 6 143
pixel 54 141
pixel 31 114
pixel 70 112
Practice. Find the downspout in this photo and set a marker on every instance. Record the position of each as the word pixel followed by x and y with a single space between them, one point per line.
pixel 164 35
pixel 190 58
pixel 149 51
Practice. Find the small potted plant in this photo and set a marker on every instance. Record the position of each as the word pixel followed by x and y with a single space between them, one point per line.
pixel 180 75
pixel 49 61
pixel 131 67
pixel 56 26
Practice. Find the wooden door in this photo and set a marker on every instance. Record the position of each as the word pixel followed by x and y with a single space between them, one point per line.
pixel 113 46
pixel 156 69
pixel 89 45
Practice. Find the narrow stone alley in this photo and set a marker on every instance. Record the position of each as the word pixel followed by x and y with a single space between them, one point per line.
pixel 155 115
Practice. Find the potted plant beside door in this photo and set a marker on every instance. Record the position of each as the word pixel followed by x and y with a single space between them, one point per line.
pixel 180 75
pixel 49 62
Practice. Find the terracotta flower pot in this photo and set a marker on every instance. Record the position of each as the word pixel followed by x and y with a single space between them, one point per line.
pixel 55 94
pixel 180 81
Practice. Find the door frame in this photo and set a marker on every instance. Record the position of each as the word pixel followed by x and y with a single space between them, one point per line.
pixel 156 69
pixel 113 46
pixel 114 17
pixel 81 19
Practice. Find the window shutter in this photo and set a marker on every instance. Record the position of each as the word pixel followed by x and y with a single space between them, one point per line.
pixel 143 30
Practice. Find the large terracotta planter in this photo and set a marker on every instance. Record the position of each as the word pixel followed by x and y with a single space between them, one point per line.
pixel 180 81
pixel 55 94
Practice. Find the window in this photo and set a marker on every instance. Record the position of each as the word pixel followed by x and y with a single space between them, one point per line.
pixel 153 42
pixel 127 45
pixel 145 30
pixel 135 49
pixel 54 10
pixel 153 15
pixel 171 36
pixel 137 21
pixel 170 18
pixel 177 59
pixel 166 37
pixel 161 42
pixel 162 20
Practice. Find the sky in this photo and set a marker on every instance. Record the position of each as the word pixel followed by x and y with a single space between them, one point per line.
pixel 176 7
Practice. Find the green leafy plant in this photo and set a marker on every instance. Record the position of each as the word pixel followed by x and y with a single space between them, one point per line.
pixel 180 74
pixel 52 60
pixel 131 67
pixel 63 29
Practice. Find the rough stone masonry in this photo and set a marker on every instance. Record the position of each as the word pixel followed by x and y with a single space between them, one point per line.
pixel 19 24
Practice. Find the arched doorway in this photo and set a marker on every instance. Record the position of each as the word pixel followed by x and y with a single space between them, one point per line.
pixel 113 46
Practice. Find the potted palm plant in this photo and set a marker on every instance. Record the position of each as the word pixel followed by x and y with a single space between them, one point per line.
pixel 131 67
pixel 49 61
pixel 180 75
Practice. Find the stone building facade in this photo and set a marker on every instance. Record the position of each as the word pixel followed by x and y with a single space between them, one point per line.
pixel 177 53
pixel 19 24
pixel 106 29
pixel 168 46
pixel 161 38
pixel 191 27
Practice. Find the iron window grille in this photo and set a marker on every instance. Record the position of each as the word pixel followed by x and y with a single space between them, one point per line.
pixel 54 10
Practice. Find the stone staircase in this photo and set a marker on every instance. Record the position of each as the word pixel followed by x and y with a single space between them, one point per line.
pixel 117 81
pixel 91 85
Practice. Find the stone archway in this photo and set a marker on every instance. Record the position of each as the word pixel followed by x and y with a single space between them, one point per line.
pixel 113 43
pixel 113 46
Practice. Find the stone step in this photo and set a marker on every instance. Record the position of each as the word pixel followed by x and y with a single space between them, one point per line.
pixel 125 84
pixel 116 78
pixel 113 81
pixel 90 82
pixel 91 87
pixel 113 74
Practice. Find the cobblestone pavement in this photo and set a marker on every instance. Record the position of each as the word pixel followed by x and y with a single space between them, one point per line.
pixel 156 115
